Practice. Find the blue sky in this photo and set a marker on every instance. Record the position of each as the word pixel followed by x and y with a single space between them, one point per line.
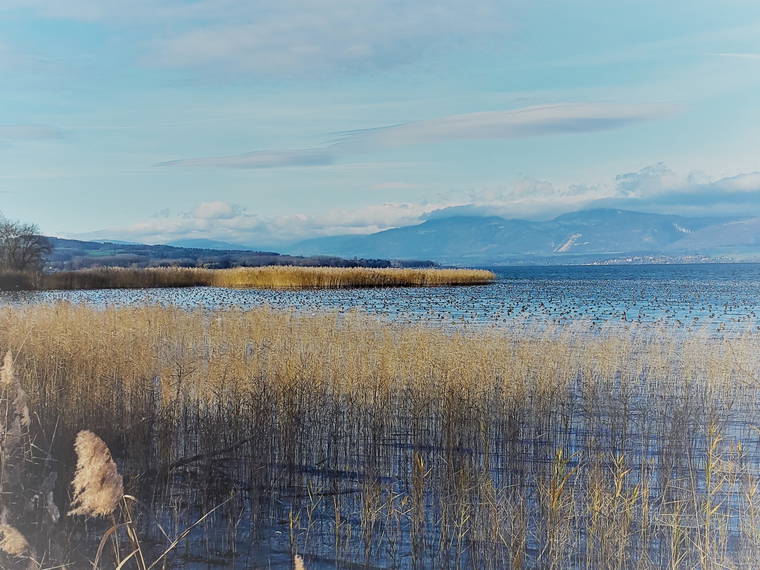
pixel 271 121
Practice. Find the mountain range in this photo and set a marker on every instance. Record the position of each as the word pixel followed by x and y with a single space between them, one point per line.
pixel 597 235
pixel 76 254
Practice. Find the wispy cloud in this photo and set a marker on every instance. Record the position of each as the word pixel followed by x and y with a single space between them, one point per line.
pixel 261 159
pixel 286 37
pixel 95 10
pixel 28 132
pixel 564 118
pixel 283 37
pixel 738 55
pixel 558 119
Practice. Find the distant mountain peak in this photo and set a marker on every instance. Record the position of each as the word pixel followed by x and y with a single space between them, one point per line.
pixel 471 240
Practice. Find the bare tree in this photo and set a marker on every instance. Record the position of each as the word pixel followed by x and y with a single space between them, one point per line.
pixel 22 248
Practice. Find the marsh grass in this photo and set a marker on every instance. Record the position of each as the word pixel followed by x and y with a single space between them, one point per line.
pixel 269 277
pixel 342 439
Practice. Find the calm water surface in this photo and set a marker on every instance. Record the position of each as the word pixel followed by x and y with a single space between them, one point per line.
pixel 686 297
pixel 714 296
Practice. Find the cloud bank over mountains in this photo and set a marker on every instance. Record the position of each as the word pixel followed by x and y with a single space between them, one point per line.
pixel 659 189
pixel 655 188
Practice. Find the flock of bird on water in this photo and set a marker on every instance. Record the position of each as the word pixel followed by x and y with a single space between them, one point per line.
pixel 506 303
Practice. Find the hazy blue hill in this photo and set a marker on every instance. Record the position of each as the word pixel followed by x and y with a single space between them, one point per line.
pixel 470 239
pixel 116 242
pixel 596 235
pixel 76 254
pixel 620 231
pixel 735 235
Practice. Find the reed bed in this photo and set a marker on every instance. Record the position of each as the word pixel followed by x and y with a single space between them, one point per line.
pixel 11 280
pixel 291 277
pixel 268 277
pixel 340 439
pixel 124 278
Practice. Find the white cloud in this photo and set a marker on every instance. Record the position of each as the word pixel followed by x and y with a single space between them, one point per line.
pixel 224 221
pixel 217 210
pixel 658 189
pixel 564 118
pixel 749 182
pixel 659 182
pixel 649 180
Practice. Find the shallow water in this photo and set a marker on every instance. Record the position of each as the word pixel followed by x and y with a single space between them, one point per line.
pixel 718 297
pixel 694 297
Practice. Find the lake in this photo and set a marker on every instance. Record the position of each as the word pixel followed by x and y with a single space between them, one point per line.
pixel 359 444
pixel 718 297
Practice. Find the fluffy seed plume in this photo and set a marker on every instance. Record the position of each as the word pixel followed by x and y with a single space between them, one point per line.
pixel 98 487
pixel 12 541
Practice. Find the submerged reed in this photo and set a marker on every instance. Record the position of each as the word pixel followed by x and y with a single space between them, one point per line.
pixel 340 437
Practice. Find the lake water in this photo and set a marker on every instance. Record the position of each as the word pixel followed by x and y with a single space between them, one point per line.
pixel 722 298
pixel 718 297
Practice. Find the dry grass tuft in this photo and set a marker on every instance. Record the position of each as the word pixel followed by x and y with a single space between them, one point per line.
pixel 98 486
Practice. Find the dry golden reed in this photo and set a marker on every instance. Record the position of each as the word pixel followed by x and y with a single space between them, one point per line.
pixel 9 382
pixel 6 373
pixel 289 277
pixel 98 486
pixel 383 442
pixel 269 277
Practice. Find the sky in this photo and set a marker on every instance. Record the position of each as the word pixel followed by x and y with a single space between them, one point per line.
pixel 270 121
